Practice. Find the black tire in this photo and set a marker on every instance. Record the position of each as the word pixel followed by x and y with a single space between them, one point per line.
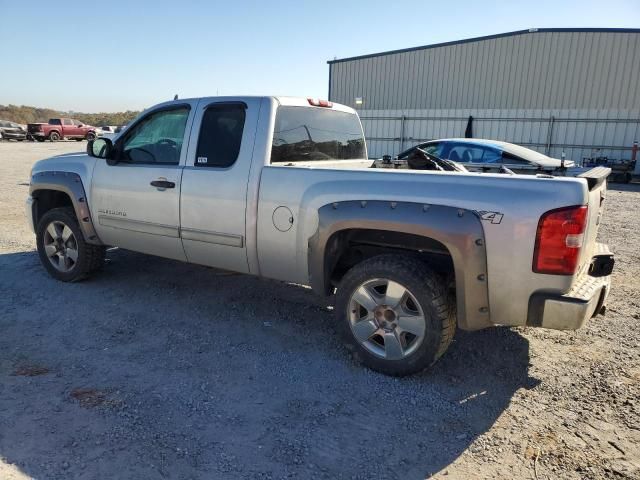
pixel 39 139
pixel 422 283
pixel 54 136
pixel 90 136
pixel 89 257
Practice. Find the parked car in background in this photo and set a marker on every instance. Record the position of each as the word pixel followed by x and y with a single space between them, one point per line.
pixel 12 131
pixel 486 155
pixel 61 128
pixel 109 131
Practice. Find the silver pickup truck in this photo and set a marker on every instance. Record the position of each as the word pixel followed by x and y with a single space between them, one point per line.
pixel 281 187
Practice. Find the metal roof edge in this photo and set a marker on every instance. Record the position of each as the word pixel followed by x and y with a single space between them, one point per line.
pixel 486 37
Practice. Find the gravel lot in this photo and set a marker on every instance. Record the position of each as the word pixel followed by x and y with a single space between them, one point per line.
pixel 156 369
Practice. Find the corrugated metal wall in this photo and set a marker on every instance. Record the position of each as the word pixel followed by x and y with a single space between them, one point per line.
pixel 580 133
pixel 511 84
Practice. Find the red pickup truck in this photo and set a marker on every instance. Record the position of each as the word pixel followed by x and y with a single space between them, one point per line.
pixel 61 128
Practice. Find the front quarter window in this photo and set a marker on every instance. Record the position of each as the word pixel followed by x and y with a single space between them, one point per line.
pixel 156 139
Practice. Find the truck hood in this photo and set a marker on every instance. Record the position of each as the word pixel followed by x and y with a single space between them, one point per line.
pixel 79 163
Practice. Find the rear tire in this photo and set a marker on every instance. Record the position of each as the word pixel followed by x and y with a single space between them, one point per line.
pixel 62 248
pixel 54 136
pixel 394 314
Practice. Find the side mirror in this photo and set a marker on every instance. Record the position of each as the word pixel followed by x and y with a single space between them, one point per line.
pixel 100 148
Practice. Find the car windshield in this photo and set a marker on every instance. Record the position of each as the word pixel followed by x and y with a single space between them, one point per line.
pixel 310 134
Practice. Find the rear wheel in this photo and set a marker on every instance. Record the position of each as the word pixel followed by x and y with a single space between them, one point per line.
pixel 54 136
pixel 62 248
pixel 394 315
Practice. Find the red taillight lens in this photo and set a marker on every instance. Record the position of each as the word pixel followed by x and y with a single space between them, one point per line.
pixel 558 240
pixel 319 103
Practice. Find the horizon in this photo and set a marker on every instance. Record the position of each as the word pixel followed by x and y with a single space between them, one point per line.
pixel 281 48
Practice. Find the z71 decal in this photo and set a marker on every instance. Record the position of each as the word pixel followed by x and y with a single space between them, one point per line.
pixel 493 217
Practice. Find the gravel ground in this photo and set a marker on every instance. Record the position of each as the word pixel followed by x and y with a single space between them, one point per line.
pixel 156 369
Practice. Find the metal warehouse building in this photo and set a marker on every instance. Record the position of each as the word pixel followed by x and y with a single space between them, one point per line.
pixel 553 90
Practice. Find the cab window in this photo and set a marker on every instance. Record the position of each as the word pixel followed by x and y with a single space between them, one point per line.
pixel 220 135
pixel 474 154
pixel 156 139
pixel 305 134
pixel 433 148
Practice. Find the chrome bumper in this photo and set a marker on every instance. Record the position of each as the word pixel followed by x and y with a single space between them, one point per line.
pixel 571 310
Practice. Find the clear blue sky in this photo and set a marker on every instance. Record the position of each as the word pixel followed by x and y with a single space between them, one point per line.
pixel 115 55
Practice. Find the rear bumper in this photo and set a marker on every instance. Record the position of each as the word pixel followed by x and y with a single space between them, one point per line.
pixel 14 135
pixel 571 310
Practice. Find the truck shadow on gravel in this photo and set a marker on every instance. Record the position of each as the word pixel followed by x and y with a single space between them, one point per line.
pixel 203 374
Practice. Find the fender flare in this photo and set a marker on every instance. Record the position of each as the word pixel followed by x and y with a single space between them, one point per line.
pixel 70 184
pixel 459 230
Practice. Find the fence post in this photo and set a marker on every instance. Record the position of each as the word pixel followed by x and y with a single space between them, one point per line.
pixel 549 135
pixel 402 120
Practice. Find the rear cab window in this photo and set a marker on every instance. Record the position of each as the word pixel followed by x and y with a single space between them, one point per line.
pixel 304 134
pixel 54 121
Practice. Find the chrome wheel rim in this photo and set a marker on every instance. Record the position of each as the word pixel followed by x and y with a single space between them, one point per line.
pixel 386 319
pixel 60 246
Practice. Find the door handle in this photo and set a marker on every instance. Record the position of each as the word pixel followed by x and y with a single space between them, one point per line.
pixel 163 184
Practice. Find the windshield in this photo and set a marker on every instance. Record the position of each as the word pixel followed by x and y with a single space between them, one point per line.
pixel 305 134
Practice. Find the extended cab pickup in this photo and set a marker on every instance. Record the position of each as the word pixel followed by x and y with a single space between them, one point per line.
pixel 59 129
pixel 281 187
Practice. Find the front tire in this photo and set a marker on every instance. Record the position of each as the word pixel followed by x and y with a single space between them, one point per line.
pixel 91 136
pixel 62 248
pixel 394 314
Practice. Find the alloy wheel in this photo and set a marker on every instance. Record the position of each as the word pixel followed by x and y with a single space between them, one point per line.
pixel 61 246
pixel 386 319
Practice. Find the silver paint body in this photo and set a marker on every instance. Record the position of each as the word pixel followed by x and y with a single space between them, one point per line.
pixel 224 217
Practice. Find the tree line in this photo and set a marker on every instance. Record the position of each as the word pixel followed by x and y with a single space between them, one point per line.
pixel 24 114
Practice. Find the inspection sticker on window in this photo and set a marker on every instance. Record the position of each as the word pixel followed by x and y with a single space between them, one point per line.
pixel 202 160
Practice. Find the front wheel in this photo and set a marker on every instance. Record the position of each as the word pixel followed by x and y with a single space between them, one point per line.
pixel 394 314
pixel 62 248
pixel 91 136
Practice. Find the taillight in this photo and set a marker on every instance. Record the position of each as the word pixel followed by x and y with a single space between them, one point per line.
pixel 319 103
pixel 559 239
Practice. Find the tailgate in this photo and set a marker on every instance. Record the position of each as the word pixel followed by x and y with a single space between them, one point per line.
pixel 597 184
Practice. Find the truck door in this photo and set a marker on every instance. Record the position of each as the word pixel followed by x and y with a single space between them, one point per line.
pixel 137 199
pixel 214 183
pixel 68 130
